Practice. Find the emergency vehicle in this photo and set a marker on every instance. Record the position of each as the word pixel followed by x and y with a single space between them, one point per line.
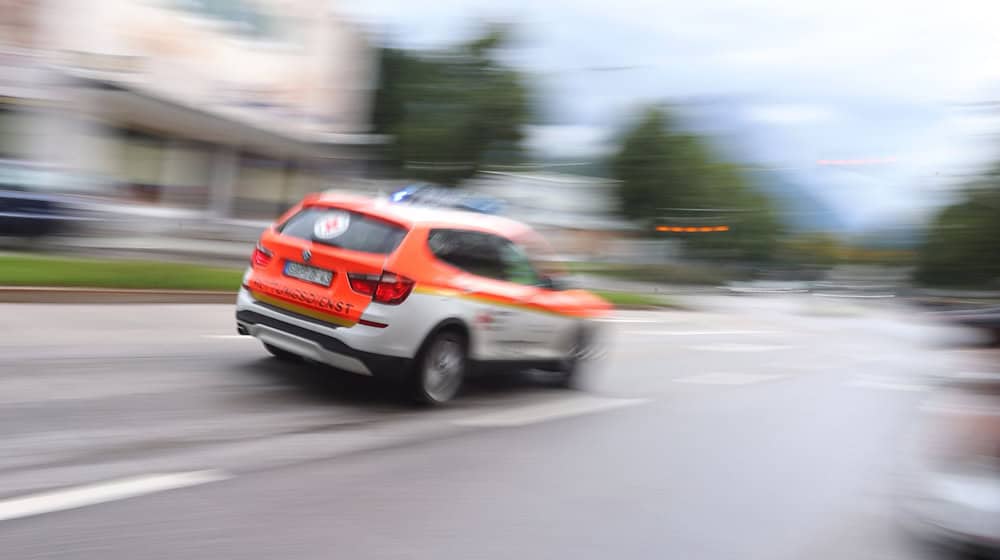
pixel 422 294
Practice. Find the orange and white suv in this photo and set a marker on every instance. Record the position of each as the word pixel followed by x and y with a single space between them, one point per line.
pixel 419 294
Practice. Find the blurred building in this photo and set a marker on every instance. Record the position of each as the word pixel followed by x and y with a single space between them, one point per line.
pixel 231 107
pixel 576 214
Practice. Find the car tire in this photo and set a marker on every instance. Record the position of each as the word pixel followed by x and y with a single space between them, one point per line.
pixel 281 354
pixel 568 374
pixel 440 368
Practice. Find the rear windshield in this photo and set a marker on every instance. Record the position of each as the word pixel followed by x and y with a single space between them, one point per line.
pixel 344 229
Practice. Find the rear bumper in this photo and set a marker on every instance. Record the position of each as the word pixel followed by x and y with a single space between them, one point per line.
pixel 311 340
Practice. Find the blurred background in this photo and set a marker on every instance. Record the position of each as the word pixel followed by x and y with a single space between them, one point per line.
pixel 748 159
pixel 763 141
pixel 784 144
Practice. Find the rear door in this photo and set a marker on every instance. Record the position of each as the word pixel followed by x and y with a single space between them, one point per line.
pixel 313 252
pixel 495 305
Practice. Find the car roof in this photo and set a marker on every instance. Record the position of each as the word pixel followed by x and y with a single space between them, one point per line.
pixel 421 216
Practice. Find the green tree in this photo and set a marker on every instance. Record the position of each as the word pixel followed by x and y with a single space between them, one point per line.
pixel 815 249
pixel 450 112
pixel 657 166
pixel 962 246
pixel 663 170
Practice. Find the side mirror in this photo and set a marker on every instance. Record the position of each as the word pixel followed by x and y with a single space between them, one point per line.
pixel 558 283
pixel 547 282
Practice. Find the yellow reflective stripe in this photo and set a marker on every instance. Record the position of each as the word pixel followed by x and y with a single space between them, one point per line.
pixel 429 290
pixel 326 317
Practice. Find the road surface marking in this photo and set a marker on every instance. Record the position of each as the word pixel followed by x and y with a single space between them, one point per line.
pixel 228 336
pixel 740 347
pixel 622 320
pixel 854 296
pixel 697 333
pixel 92 494
pixel 729 378
pixel 544 412
pixel 887 385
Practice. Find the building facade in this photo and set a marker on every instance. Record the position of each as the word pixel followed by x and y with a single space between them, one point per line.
pixel 235 108
pixel 576 214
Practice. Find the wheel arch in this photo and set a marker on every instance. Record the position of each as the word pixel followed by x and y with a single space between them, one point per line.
pixel 415 376
pixel 451 323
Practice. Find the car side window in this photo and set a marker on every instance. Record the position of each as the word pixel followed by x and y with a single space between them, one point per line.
pixel 518 268
pixel 474 252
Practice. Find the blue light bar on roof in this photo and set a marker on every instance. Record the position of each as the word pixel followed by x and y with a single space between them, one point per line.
pixel 430 195
pixel 406 192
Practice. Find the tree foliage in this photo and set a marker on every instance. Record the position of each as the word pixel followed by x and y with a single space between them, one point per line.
pixel 663 171
pixel 657 167
pixel 815 249
pixel 962 246
pixel 450 112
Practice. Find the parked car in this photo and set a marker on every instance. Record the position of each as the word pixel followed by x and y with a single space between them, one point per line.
pixel 984 317
pixel 424 295
pixel 951 496
pixel 34 200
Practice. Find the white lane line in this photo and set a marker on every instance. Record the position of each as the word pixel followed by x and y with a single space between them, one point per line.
pixel 92 494
pixel 854 296
pixel 697 333
pixel 544 412
pixel 887 385
pixel 729 378
pixel 228 336
pixel 740 347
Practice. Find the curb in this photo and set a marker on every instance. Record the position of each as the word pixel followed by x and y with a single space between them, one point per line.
pixel 31 294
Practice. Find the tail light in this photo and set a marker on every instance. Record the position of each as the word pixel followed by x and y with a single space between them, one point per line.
pixel 393 289
pixel 389 288
pixel 364 284
pixel 261 256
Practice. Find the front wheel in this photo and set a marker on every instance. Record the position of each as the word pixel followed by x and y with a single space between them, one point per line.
pixel 440 368
pixel 581 351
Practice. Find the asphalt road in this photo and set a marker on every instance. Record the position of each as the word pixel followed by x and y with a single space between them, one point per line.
pixel 760 427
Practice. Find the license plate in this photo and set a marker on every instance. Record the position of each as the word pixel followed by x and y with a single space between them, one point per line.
pixel 308 273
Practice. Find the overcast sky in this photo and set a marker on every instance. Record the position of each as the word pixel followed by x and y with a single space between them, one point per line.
pixel 793 82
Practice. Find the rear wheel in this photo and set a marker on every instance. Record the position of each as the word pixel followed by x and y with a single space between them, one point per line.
pixel 283 355
pixel 440 368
